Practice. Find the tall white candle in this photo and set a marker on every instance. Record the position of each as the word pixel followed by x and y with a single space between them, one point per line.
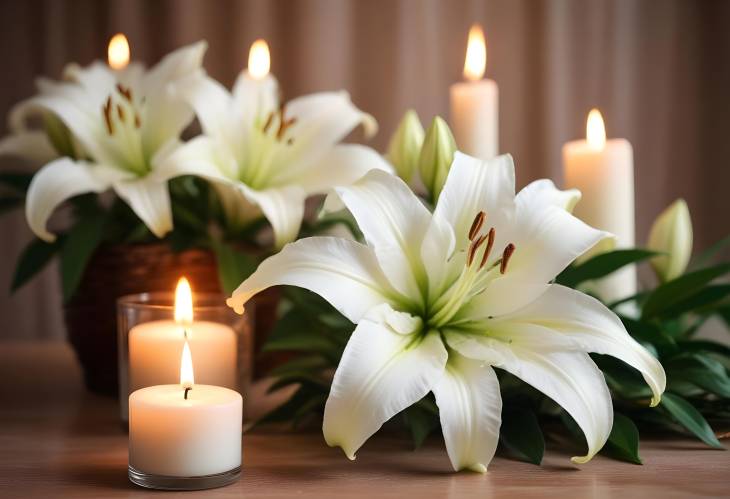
pixel 184 430
pixel 474 103
pixel 604 172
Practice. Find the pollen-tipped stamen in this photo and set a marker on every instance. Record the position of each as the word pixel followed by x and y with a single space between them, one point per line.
pixel 476 225
pixel 473 248
pixel 488 249
pixel 506 255
pixel 107 112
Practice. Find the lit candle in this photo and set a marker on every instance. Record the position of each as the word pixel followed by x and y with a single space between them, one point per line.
pixel 184 430
pixel 260 86
pixel 118 52
pixel 604 172
pixel 474 103
pixel 154 347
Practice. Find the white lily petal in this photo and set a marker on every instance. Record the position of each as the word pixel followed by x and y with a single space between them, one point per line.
pixel 544 193
pixel 547 239
pixel 591 326
pixel 437 248
pixel 71 105
pixel 400 322
pixel 97 78
pixel 394 222
pixel 381 373
pixel 211 101
pixel 570 378
pixel 255 98
pixel 167 114
pixel 343 272
pixel 470 409
pixel 283 207
pixel 322 120
pixel 341 165
pixel 32 146
pixel 150 200
pixel 58 181
pixel 472 186
pixel 238 209
pixel 201 156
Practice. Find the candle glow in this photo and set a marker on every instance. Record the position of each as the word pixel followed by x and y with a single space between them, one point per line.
pixel 476 54
pixel 259 60
pixel 595 130
pixel 118 52
pixel 183 302
pixel 187 379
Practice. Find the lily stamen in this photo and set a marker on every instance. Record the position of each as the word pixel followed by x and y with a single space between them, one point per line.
pixel 269 120
pixel 106 111
pixel 506 255
pixel 488 250
pixel 477 224
pixel 473 247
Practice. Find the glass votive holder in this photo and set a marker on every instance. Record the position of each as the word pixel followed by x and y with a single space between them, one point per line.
pixel 150 343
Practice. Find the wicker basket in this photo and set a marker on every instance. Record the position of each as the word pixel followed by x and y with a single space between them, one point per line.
pixel 120 270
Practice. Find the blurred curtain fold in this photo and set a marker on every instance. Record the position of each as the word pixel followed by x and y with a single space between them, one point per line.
pixel 659 72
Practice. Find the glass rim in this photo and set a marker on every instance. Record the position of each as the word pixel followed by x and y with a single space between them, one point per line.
pixel 165 300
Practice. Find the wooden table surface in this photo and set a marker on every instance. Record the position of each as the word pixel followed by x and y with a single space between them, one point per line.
pixel 58 441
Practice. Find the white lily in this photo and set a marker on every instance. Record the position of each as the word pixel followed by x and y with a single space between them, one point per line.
pixel 264 155
pixel 124 122
pixel 438 300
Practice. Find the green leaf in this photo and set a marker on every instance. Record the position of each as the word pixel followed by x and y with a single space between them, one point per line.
pixel 690 418
pixel 521 434
pixel 621 378
pixel 78 247
pixel 233 266
pixel 33 259
pixel 295 331
pixel 706 256
pixel 705 301
pixel 701 371
pixel 303 397
pixel 623 442
pixel 421 421
pixel 602 265
pixel 675 291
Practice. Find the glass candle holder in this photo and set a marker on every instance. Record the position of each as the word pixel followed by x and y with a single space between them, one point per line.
pixel 150 344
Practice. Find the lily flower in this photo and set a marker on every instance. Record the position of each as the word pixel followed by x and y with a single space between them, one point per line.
pixel 263 155
pixel 441 298
pixel 120 125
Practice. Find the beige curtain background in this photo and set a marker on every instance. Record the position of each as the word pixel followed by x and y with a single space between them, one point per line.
pixel 658 70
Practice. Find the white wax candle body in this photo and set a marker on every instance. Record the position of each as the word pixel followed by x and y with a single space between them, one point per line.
pixel 172 436
pixel 475 117
pixel 155 347
pixel 605 177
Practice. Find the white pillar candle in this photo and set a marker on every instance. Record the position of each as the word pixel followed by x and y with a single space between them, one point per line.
pixel 261 88
pixel 474 103
pixel 604 172
pixel 154 349
pixel 154 353
pixel 185 430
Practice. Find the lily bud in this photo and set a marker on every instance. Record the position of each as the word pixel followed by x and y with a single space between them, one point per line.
pixel 436 156
pixel 671 234
pixel 405 145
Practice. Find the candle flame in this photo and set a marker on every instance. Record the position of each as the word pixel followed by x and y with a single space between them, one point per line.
pixel 187 380
pixel 183 302
pixel 595 130
pixel 259 60
pixel 476 54
pixel 118 52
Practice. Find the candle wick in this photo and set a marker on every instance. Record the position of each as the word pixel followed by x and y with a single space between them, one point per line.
pixel 185 333
pixel 186 392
